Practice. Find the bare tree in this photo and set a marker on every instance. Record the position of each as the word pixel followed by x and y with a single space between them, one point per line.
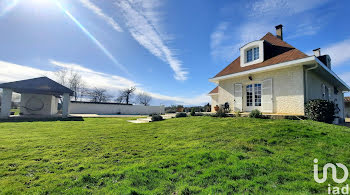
pixel 119 99
pixel 72 80
pixel 144 98
pixel 99 95
pixel 126 94
pixel 61 76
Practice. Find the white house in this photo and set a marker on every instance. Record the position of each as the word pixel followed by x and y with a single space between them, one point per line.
pixel 274 77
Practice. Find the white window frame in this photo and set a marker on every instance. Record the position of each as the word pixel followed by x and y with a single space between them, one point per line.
pixel 253 102
pixel 250 46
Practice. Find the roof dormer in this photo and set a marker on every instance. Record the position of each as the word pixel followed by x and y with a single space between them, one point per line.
pixel 252 53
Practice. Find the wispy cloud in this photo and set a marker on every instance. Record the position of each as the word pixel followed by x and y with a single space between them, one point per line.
pixel 338 52
pixel 98 11
pixel 113 83
pixel 226 40
pixel 256 19
pixel 278 8
pixel 143 24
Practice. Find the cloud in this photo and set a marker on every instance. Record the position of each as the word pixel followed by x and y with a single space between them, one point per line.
pixel 144 26
pixel 338 52
pixel 98 11
pixel 226 40
pixel 259 17
pixel 278 8
pixel 91 78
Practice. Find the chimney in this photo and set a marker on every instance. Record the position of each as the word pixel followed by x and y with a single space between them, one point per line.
pixel 317 52
pixel 279 31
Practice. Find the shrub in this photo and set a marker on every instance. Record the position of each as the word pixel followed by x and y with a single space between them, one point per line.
pixel 255 114
pixel 199 114
pixel 237 113
pixel 320 110
pixel 220 113
pixel 157 117
pixel 181 114
pixel 193 113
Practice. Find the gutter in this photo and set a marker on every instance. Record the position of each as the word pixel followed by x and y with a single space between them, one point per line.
pixel 332 73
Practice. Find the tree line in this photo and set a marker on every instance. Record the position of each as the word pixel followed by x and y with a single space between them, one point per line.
pixel 74 81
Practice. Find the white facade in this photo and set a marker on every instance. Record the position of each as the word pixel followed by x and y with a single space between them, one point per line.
pixel 285 87
pixel 109 108
pixel 287 91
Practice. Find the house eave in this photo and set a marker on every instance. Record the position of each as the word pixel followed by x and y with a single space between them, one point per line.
pixel 266 68
pixel 333 74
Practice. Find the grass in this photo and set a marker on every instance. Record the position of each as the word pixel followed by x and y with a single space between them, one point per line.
pixel 191 155
pixel 16 111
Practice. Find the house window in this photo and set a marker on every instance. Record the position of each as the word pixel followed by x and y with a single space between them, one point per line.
pixel 253 54
pixel 253 94
pixel 256 53
pixel 325 92
pixel 249 95
pixel 257 94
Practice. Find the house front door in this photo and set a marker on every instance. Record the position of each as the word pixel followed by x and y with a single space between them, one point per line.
pixel 253 96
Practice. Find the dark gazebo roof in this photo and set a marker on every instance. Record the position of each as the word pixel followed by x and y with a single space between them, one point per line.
pixel 41 85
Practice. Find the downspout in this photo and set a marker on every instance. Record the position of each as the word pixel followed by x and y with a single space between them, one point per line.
pixel 306 79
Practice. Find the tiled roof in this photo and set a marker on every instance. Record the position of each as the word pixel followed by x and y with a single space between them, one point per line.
pixel 41 85
pixel 346 99
pixel 216 90
pixel 276 51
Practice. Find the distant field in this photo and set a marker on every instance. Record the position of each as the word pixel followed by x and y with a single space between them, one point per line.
pixel 177 156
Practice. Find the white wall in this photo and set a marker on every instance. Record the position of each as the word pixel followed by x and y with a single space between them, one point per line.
pixel 35 101
pixel 314 82
pixel 288 89
pixel 90 108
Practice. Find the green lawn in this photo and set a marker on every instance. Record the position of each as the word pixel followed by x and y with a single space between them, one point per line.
pixel 177 156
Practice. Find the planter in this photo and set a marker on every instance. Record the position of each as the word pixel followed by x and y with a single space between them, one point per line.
pixel 216 108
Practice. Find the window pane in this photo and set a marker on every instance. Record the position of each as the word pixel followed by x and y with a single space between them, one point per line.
pixel 257 94
pixel 249 95
pixel 256 53
pixel 249 55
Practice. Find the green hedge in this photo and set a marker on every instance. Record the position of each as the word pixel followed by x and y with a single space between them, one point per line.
pixel 320 110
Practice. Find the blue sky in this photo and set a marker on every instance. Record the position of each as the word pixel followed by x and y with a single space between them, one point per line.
pixel 167 48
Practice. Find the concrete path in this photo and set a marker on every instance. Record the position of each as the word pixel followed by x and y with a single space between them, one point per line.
pixel 149 119
pixel 105 116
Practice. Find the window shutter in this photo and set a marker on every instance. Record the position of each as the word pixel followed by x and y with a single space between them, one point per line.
pixel 238 101
pixel 267 96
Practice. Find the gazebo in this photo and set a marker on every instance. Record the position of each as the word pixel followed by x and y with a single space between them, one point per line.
pixel 39 97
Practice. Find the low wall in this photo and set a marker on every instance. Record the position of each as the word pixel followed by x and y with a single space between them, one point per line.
pixel 111 108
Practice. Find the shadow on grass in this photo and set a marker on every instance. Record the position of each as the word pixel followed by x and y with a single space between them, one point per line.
pixel 15 119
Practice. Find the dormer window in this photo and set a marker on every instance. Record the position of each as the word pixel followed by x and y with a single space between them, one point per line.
pixel 252 53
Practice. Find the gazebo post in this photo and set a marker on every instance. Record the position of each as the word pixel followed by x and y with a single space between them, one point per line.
pixel 65 106
pixel 6 103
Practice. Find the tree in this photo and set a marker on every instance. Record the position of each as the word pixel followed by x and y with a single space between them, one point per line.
pixel 72 80
pixel 126 94
pixel 99 95
pixel 144 98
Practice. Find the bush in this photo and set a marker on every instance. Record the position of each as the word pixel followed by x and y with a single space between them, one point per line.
pixel 181 114
pixel 157 118
pixel 320 110
pixel 193 113
pixel 237 113
pixel 220 113
pixel 199 114
pixel 255 114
